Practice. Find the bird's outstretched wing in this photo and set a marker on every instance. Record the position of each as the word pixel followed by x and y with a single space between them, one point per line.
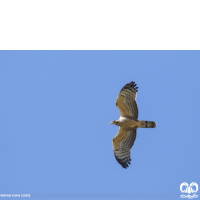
pixel 122 144
pixel 126 101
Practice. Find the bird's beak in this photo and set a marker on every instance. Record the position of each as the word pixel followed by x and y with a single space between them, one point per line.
pixel 112 122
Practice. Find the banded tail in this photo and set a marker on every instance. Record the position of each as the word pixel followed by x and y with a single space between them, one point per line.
pixel 147 124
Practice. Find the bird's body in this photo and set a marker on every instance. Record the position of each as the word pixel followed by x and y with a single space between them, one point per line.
pixel 128 123
pixel 133 123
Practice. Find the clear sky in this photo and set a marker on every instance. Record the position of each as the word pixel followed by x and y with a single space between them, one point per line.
pixel 56 107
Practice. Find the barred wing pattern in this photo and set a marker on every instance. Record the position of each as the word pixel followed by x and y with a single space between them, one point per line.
pixel 126 101
pixel 122 144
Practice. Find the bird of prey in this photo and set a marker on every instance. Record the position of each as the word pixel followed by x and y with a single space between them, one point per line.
pixel 128 124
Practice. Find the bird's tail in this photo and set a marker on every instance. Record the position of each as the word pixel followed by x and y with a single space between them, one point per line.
pixel 147 124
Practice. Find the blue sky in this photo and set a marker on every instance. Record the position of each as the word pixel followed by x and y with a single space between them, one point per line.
pixel 56 107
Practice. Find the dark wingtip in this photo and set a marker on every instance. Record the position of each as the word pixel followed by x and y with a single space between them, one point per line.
pixel 132 86
pixel 124 164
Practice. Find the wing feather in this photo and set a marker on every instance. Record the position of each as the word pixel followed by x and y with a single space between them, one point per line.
pixel 126 101
pixel 122 144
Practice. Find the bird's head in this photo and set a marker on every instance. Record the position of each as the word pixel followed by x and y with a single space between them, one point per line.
pixel 116 122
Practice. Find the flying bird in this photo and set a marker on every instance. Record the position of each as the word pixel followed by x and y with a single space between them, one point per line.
pixel 128 124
